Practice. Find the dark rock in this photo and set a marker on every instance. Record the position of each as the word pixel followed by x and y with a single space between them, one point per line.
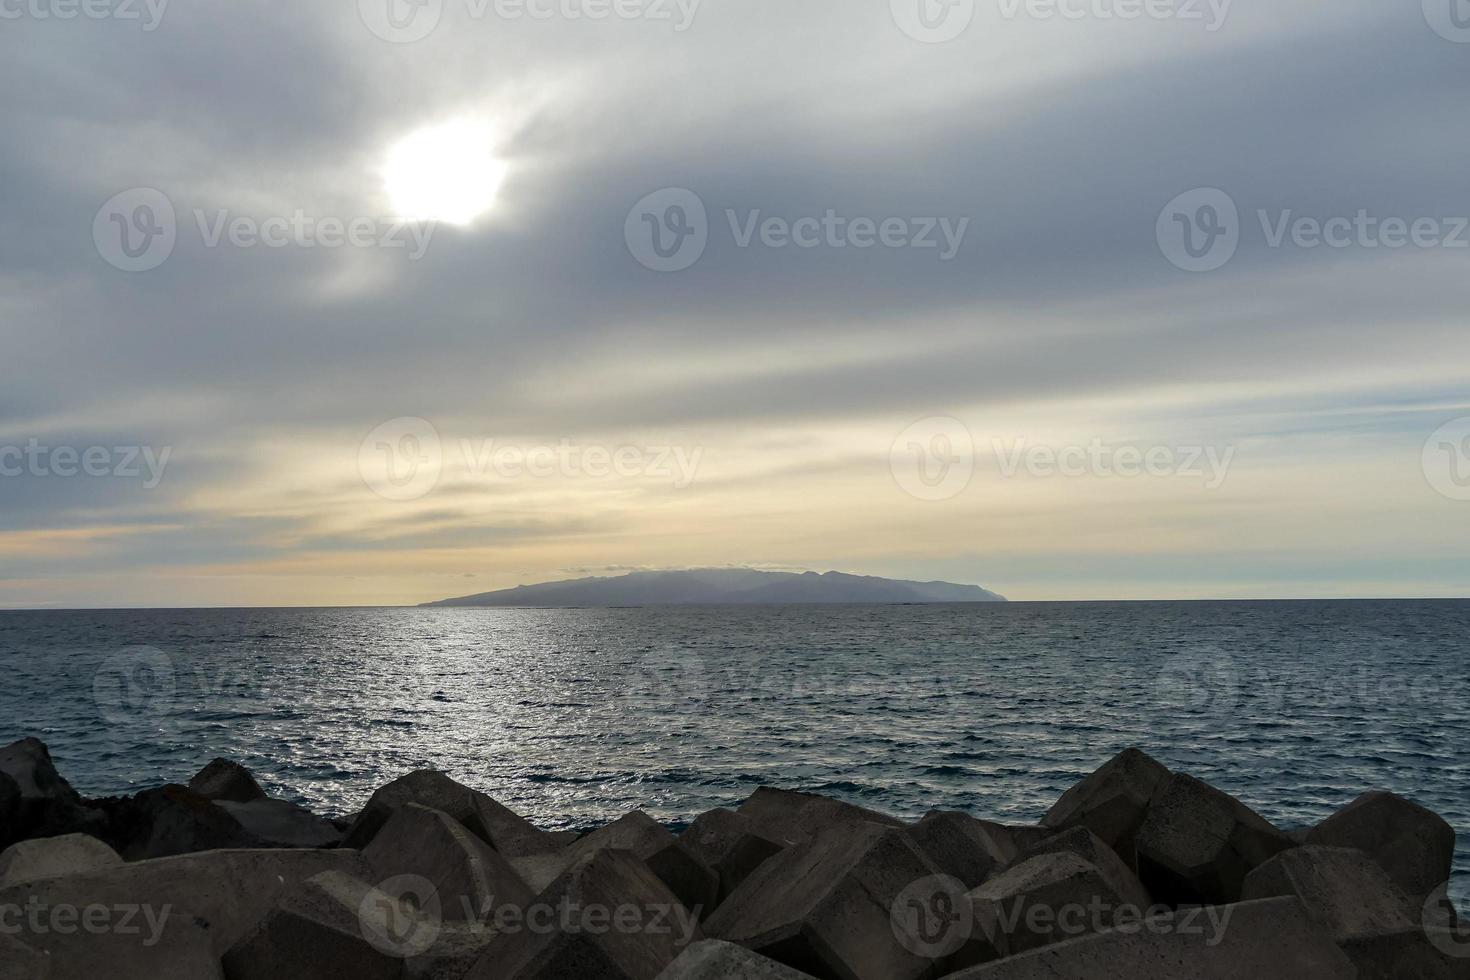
pixel 186 911
pixel 607 917
pixel 730 845
pixel 1266 940
pixel 1197 844
pixel 498 826
pixel 1353 900
pixel 169 821
pixel 1090 848
pixel 182 951
pixel 967 849
pixel 538 871
pixel 1015 838
pixel 35 801
pixel 277 823
pixel 510 833
pixel 1422 954
pixel 469 877
pixel 789 817
pixel 693 881
pixel 226 780
pixel 28 763
pixel 1414 845
pixel 826 905
pixel 1046 899
pixel 715 960
pixel 1113 801
pixel 1342 889
pixel 10 829
pixel 20 962
pixel 690 879
pixel 53 857
pixel 336 926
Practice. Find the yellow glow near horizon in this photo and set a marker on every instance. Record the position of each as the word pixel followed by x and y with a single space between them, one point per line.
pixel 446 172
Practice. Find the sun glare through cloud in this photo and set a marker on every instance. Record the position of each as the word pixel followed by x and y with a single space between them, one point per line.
pixel 446 172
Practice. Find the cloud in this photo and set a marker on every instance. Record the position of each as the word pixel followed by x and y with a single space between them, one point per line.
pixel 1059 142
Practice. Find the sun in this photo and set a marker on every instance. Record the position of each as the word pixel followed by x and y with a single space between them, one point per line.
pixel 446 172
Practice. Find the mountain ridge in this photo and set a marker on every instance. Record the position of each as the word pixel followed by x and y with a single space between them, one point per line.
pixel 722 586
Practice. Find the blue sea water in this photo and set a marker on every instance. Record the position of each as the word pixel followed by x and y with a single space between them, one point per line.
pixel 574 716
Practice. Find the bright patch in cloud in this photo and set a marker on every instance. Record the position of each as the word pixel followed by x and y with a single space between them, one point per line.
pixel 445 173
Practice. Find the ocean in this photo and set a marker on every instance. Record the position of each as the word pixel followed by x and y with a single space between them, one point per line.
pixel 574 716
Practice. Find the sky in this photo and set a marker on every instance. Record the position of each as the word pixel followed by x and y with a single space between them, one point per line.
pixel 381 302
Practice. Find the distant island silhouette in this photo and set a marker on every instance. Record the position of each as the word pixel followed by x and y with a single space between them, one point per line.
pixel 725 586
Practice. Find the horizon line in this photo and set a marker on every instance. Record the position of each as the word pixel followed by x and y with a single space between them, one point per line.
pixel 434 604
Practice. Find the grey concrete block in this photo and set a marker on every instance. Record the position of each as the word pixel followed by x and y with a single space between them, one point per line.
pixel 608 917
pixel 1265 940
pixel 1088 846
pixel 1197 844
pixel 471 879
pixel 967 849
pixel 277 823
pixel 825 906
pixel 20 962
pixel 1112 801
pixel 219 895
pixel 504 830
pixel 1414 845
pixel 689 878
pixel 226 780
pixel 716 960
pixel 791 817
pixel 54 857
pixel 1046 899
pixel 729 844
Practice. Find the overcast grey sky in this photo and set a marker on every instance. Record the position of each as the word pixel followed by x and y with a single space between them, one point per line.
pixel 1042 296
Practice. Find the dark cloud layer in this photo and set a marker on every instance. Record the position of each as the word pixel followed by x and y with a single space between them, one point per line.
pixel 1058 143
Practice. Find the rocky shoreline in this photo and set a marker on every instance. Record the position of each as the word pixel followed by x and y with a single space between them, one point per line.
pixel 1136 872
